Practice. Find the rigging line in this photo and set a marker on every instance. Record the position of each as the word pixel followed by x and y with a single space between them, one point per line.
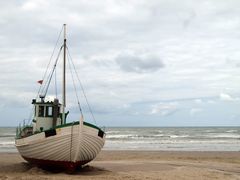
pixel 30 115
pixel 89 107
pixel 74 85
pixel 56 92
pixel 51 74
pixel 48 79
pixel 42 87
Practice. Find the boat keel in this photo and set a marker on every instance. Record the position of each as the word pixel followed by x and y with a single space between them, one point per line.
pixel 69 166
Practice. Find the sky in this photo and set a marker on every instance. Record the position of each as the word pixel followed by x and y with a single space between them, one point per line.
pixel 141 62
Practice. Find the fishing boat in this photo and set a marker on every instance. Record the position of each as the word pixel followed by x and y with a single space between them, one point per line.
pixel 49 140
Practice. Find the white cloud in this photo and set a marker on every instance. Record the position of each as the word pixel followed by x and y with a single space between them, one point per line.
pixel 195 111
pixel 211 102
pixel 164 109
pixel 139 63
pixel 127 52
pixel 198 101
pixel 30 5
pixel 227 97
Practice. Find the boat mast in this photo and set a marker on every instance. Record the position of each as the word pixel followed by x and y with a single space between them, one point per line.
pixel 64 77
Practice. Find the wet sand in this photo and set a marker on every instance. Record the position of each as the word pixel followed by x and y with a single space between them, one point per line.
pixel 167 165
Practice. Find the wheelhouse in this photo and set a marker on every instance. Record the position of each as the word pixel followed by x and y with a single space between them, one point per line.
pixel 46 114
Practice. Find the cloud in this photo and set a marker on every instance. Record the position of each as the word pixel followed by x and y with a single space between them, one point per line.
pixel 139 64
pixel 198 101
pixel 227 97
pixel 211 102
pixel 194 111
pixel 126 52
pixel 189 19
pixel 32 5
pixel 164 109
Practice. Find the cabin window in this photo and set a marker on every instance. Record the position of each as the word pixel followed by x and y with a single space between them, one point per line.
pixel 49 112
pixel 41 111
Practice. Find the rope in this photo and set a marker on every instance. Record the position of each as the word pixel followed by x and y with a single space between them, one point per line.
pixel 75 89
pixel 89 107
pixel 45 86
pixel 45 73
pixel 51 74
pixel 56 90
pixel 31 115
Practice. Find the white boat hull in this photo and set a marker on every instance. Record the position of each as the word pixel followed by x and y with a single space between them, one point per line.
pixel 68 146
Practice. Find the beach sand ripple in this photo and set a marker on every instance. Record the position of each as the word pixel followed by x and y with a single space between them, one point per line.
pixel 159 165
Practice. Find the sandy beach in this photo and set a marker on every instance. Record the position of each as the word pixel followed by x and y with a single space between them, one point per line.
pixel 134 165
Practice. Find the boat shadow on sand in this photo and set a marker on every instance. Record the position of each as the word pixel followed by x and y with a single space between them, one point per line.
pixel 30 169
pixel 84 170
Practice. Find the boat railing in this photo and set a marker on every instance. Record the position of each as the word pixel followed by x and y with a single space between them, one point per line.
pixel 24 130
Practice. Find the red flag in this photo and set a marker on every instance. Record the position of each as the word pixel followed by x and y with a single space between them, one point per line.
pixel 40 81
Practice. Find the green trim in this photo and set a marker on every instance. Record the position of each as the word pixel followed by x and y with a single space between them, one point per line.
pixel 91 125
pixel 61 126
pixel 66 125
pixel 77 122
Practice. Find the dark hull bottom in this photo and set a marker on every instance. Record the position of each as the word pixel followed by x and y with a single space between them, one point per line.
pixel 65 165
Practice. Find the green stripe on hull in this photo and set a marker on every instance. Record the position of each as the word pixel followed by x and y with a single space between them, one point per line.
pixel 66 125
pixel 77 122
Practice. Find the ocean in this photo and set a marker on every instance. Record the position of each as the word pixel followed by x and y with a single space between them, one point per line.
pixel 156 138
